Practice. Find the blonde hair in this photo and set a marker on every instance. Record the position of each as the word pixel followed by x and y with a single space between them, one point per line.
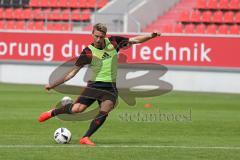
pixel 100 27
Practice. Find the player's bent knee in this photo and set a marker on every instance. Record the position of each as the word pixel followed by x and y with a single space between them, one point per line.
pixel 107 106
pixel 78 108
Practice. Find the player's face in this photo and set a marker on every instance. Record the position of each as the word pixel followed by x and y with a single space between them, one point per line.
pixel 98 38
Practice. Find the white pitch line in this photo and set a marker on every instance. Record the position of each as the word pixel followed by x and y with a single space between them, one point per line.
pixel 117 146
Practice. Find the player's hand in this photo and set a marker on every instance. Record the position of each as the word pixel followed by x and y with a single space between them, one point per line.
pixel 155 34
pixel 48 87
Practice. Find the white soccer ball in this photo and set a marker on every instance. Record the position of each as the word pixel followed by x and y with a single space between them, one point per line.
pixel 62 135
pixel 66 100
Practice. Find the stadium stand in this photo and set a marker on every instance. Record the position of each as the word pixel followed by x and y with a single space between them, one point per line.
pixel 184 16
pixel 47 14
pixel 201 16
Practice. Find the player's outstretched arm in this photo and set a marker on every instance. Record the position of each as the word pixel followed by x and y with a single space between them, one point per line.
pixel 67 77
pixel 143 38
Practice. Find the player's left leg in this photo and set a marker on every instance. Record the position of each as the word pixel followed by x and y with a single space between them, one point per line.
pixel 105 107
pixel 96 123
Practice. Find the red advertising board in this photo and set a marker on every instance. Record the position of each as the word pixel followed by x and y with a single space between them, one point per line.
pixel 167 50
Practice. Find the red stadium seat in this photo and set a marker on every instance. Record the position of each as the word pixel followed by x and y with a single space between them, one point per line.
pixel 86 15
pixel 89 28
pixel 211 29
pixel 102 3
pixel 223 4
pixel 46 13
pixel 94 3
pixel 189 28
pixel 185 16
pixel 30 25
pixel 17 13
pixel 2 24
pixel 201 29
pixel 39 25
pixel 63 27
pixel 195 17
pixel 27 13
pixel 51 26
pixel 90 3
pixel 53 3
pixel 84 3
pixel 20 25
pixel 73 3
pixel 66 27
pixel 234 4
pixel 206 16
pixel 179 28
pixel 201 4
pixel 38 14
pixel 44 3
pixel 223 29
pixel 1 13
pixel 218 17
pixel 76 15
pixel 8 13
pixel 237 17
pixel 55 14
pixel 34 3
pixel 212 4
pixel 234 29
pixel 228 17
pixel 62 3
pixel 59 26
pixel 10 25
pixel 66 14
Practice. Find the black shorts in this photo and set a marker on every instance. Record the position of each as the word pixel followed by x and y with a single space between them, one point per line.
pixel 98 91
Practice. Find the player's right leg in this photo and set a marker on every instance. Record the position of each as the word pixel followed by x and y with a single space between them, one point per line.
pixel 68 109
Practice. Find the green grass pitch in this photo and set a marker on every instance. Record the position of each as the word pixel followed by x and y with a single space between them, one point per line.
pixel 205 126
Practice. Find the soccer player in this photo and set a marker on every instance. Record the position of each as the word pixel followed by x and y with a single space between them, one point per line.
pixel 101 56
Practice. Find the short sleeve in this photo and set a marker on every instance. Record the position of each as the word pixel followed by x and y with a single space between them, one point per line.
pixel 121 42
pixel 84 58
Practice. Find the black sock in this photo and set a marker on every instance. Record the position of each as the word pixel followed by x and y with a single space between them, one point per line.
pixel 96 123
pixel 65 109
